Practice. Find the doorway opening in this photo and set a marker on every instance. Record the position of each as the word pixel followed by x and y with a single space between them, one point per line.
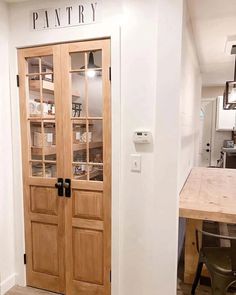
pixel 66 151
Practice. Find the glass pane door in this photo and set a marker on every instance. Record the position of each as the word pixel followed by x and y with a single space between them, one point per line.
pixel 41 109
pixel 42 154
pixel 87 163
pixel 87 114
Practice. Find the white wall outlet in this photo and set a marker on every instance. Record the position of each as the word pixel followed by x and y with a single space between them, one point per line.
pixel 136 163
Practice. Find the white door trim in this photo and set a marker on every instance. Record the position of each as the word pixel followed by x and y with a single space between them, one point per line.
pixel 85 33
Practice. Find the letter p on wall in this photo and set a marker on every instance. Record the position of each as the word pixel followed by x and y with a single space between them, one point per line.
pixel 35 17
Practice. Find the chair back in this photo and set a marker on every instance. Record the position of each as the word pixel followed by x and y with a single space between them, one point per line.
pixel 231 239
pixel 233 255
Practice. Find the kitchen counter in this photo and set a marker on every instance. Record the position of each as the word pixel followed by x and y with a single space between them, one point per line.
pixel 208 194
pixel 229 153
pixel 229 150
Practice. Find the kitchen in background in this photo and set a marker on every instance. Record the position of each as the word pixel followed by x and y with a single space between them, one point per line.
pixel 217 136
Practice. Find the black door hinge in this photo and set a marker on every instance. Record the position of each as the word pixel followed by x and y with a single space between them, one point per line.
pixel 24 258
pixel 110 73
pixel 110 276
pixel 17 80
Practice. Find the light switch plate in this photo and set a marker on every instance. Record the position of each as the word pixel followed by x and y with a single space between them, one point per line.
pixel 136 163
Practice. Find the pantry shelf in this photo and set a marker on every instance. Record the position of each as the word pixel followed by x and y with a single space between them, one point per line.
pixel 51 150
pixel 92 174
pixel 48 87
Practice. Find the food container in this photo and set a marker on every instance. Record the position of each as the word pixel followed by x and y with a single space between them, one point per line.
pixel 49 137
pixel 78 131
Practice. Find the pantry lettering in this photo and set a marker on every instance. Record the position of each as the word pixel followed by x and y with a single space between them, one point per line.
pixel 73 15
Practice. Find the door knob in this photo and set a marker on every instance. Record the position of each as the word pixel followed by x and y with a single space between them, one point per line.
pixel 207 150
pixel 67 186
pixel 59 186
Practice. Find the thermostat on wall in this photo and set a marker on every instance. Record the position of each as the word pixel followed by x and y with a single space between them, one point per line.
pixel 142 137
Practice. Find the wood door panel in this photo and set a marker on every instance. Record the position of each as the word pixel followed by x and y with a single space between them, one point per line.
pixel 45 248
pixel 88 289
pixel 44 211
pixel 45 281
pixel 88 211
pixel 88 255
pixel 87 204
pixel 86 223
pixel 44 200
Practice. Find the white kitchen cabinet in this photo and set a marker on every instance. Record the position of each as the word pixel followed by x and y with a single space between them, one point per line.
pixel 226 119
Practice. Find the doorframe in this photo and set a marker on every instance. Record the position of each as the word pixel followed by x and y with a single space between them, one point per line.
pixel 213 124
pixel 84 33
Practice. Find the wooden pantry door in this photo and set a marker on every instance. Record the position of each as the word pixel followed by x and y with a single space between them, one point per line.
pixel 42 151
pixel 85 70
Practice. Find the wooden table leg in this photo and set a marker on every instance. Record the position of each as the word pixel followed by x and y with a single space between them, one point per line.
pixel 191 254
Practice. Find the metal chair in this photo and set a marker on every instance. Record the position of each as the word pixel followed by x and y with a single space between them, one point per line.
pixel 220 262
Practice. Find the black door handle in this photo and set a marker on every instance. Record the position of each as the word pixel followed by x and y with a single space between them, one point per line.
pixel 208 150
pixel 67 186
pixel 59 186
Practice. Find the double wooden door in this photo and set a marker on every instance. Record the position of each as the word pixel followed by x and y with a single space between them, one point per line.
pixel 66 151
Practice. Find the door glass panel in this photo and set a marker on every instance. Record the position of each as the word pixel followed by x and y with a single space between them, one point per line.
pixel 77 61
pixel 42 106
pixel 50 141
pixel 48 101
pixel 34 99
pixel 50 170
pixel 33 65
pixel 41 87
pixel 47 64
pixel 94 81
pixel 80 171
pixel 87 103
pixel 78 95
pixel 36 140
pixel 37 169
pixel 49 136
pixel 96 172
pixel 79 130
pixel 96 143
pixel 79 142
pixel 95 96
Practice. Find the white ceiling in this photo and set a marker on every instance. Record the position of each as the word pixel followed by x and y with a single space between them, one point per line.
pixel 213 21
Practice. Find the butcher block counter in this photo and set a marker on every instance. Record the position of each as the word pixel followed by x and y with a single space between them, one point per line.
pixel 208 194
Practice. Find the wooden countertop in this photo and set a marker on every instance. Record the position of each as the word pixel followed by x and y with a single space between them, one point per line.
pixel 229 150
pixel 209 194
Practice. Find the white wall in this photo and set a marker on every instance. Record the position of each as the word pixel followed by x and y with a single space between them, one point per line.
pixel 191 84
pixel 212 91
pixel 145 205
pixel 164 206
pixel 7 263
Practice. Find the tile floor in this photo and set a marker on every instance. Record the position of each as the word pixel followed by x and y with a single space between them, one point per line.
pixel 182 290
pixel 27 291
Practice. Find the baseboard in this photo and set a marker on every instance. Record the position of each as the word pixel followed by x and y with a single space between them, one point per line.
pixel 7 284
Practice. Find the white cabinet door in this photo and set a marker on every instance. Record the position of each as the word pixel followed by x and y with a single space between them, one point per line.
pixel 225 118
